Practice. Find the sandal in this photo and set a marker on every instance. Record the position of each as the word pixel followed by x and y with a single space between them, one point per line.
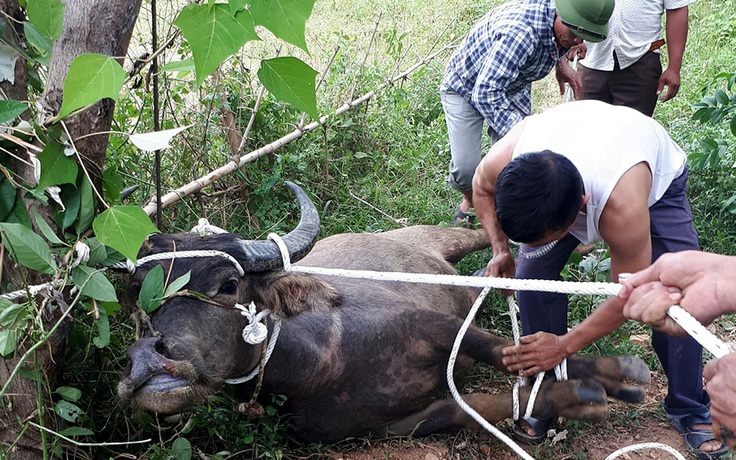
pixel 694 438
pixel 462 219
pixel 539 426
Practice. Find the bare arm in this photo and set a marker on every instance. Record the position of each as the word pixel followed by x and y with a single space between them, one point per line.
pixel 676 28
pixel 624 225
pixel 484 184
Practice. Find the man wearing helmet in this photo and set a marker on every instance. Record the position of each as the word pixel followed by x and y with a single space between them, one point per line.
pixel 488 79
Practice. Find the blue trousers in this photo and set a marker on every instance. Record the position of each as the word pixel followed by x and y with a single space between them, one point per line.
pixel 671 231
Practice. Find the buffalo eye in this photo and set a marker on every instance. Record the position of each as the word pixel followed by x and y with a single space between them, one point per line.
pixel 229 287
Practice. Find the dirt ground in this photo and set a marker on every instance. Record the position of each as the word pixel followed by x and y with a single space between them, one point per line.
pixel 626 425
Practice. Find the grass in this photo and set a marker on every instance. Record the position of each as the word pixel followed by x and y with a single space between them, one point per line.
pixel 372 169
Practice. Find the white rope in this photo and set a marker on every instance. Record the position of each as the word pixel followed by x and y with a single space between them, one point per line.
pixel 456 394
pixel 204 228
pixel 190 254
pixel 644 446
pixel 255 331
pixel 32 290
pixel 269 350
pixel 709 341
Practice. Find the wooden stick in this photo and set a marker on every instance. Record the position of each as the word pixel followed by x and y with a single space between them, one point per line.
pixel 196 185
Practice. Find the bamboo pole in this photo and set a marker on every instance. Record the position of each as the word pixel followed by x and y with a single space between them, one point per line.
pixel 198 184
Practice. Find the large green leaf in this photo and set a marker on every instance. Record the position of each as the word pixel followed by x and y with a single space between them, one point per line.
pixel 291 80
pixel 93 283
pixel 91 77
pixel 47 16
pixel 123 228
pixel 152 290
pixel 56 168
pixel 29 249
pixel 214 34
pixel 284 18
pixel 11 109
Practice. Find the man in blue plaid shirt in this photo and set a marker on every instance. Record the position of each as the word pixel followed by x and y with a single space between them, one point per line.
pixel 488 79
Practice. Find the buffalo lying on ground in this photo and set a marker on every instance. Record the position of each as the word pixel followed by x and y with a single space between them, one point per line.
pixel 353 357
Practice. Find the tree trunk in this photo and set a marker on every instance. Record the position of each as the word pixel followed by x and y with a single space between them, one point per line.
pixel 99 26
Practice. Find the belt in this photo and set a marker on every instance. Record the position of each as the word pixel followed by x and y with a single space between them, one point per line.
pixel 656 45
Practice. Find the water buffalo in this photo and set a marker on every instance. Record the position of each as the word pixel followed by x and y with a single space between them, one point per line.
pixel 354 357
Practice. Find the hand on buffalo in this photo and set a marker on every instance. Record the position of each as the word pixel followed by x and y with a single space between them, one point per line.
pixel 502 265
pixel 535 353
pixel 720 375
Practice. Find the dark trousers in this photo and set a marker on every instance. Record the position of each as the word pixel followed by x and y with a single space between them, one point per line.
pixel 671 230
pixel 634 86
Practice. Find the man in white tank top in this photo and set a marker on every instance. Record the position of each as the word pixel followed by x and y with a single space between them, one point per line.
pixel 587 171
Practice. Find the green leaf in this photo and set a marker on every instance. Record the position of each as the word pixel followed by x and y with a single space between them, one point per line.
pixel 76 431
pixel 29 249
pixel 214 35
pixel 110 307
pixel 56 168
pixel 721 97
pixel 733 125
pixel 11 109
pixel 47 16
pixel 112 183
pixel 177 284
pixel 93 283
pixel 152 288
pixel 97 252
pixel 68 411
pixel 13 315
pixel 103 330
pixel 123 228
pixel 86 207
pixel 19 213
pixel 91 77
pixel 236 6
pixel 39 42
pixel 284 18
pixel 70 196
pixel 46 229
pixel 70 394
pixel 7 197
pixel 181 449
pixel 8 342
pixel 291 80
pixel 187 65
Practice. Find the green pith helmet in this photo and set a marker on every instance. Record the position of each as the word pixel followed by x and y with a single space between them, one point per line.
pixel 588 19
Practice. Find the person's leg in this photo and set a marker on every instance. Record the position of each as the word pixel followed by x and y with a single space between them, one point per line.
pixel 541 311
pixel 595 84
pixel 544 311
pixel 636 85
pixel 687 404
pixel 465 130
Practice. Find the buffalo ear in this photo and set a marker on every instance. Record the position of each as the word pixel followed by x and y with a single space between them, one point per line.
pixel 292 294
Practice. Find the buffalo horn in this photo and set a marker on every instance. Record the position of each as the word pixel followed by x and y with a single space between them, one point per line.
pixel 265 255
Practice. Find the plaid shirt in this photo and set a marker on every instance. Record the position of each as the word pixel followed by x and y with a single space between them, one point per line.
pixel 494 67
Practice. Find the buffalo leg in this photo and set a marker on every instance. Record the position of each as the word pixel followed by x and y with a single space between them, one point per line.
pixel 573 399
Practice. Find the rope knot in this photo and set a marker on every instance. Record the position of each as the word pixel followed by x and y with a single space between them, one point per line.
pixel 255 331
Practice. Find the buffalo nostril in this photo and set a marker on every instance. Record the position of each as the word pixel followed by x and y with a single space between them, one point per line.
pixel 145 360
